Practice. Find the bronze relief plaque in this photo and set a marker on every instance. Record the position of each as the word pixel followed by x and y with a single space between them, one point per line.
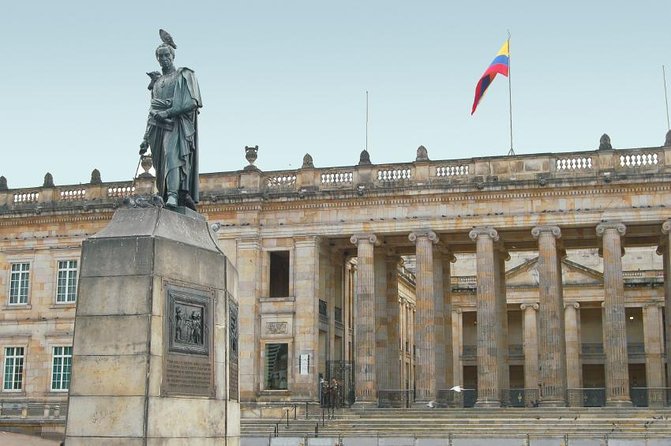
pixel 188 361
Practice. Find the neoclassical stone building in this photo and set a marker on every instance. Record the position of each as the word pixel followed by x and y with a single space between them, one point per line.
pixel 526 280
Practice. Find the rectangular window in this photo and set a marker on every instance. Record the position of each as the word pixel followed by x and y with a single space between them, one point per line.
pixel 13 369
pixel 18 283
pixel 276 366
pixel 61 368
pixel 279 274
pixel 66 288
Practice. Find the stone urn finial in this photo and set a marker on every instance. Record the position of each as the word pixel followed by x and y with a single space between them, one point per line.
pixel 422 154
pixel 95 177
pixel 307 162
pixel 667 142
pixel 251 153
pixel 604 142
pixel 364 158
pixel 48 180
pixel 3 183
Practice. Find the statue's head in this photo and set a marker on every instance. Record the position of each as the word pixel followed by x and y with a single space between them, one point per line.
pixel 165 55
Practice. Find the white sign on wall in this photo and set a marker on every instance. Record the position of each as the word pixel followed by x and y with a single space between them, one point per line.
pixel 304 364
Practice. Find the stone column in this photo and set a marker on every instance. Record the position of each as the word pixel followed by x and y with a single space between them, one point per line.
pixel 530 346
pixel 654 360
pixel 572 334
pixel 381 335
pixel 457 347
pixel 552 352
pixel 307 294
pixel 665 249
pixel 614 321
pixel 365 379
pixel 392 359
pixel 439 319
pixel 249 356
pixel 502 350
pixel 425 328
pixel 489 326
pixel 447 259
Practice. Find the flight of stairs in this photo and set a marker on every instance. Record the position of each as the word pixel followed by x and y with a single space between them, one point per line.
pixel 532 423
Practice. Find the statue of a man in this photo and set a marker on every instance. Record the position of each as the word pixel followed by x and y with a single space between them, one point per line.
pixel 172 129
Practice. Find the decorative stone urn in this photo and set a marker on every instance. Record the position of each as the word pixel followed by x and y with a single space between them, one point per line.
pixel 251 153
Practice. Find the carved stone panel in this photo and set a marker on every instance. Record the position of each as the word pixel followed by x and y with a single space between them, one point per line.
pixel 275 327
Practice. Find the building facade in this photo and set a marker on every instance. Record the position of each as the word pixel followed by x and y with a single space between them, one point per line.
pixel 526 280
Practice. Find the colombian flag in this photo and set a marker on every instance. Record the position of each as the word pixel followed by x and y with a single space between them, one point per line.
pixel 500 65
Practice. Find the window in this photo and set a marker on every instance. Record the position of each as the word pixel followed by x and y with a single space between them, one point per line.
pixel 279 274
pixel 276 366
pixel 66 289
pixel 13 369
pixel 61 369
pixel 18 283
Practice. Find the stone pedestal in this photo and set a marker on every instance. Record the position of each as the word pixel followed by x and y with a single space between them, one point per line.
pixel 155 345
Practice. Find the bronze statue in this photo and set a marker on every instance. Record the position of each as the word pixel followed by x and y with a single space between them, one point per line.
pixel 172 128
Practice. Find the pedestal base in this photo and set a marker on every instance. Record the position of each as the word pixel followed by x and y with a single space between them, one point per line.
pixel 154 354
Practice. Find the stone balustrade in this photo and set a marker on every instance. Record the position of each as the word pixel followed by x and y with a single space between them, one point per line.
pixel 541 169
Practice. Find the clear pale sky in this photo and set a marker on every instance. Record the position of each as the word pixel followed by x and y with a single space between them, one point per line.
pixel 290 77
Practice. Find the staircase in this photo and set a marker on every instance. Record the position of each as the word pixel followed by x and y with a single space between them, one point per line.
pixel 524 424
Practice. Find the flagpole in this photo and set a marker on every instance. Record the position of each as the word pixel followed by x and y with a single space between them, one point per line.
pixel 366 146
pixel 666 98
pixel 510 98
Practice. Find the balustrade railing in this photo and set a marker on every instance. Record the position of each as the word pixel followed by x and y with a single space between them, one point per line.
pixel 33 409
pixel 591 164
pixel 639 160
pixel 587 397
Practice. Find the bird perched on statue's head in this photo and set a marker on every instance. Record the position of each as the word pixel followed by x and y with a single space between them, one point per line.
pixel 166 38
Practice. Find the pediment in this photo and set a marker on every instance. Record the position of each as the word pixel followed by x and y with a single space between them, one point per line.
pixel 526 274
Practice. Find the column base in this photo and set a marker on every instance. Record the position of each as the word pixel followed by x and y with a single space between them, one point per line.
pixel 619 403
pixel 487 403
pixel 364 405
pixel 552 403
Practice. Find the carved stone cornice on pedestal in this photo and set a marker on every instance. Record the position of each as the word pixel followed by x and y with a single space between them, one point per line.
pixel 484 231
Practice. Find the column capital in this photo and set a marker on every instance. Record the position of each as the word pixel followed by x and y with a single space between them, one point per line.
pixel 666 227
pixel 575 305
pixel 660 249
pixel 415 235
pixel 447 253
pixel 484 231
pixel 653 304
pixel 503 251
pixel 542 229
pixel 364 238
pixel 601 228
pixel 533 306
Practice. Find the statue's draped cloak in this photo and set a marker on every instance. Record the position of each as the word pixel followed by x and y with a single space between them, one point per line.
pixel 175 145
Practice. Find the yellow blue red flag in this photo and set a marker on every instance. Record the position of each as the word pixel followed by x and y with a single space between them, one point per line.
pixel 500 65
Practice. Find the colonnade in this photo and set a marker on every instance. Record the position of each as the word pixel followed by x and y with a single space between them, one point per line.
pixel 551 326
